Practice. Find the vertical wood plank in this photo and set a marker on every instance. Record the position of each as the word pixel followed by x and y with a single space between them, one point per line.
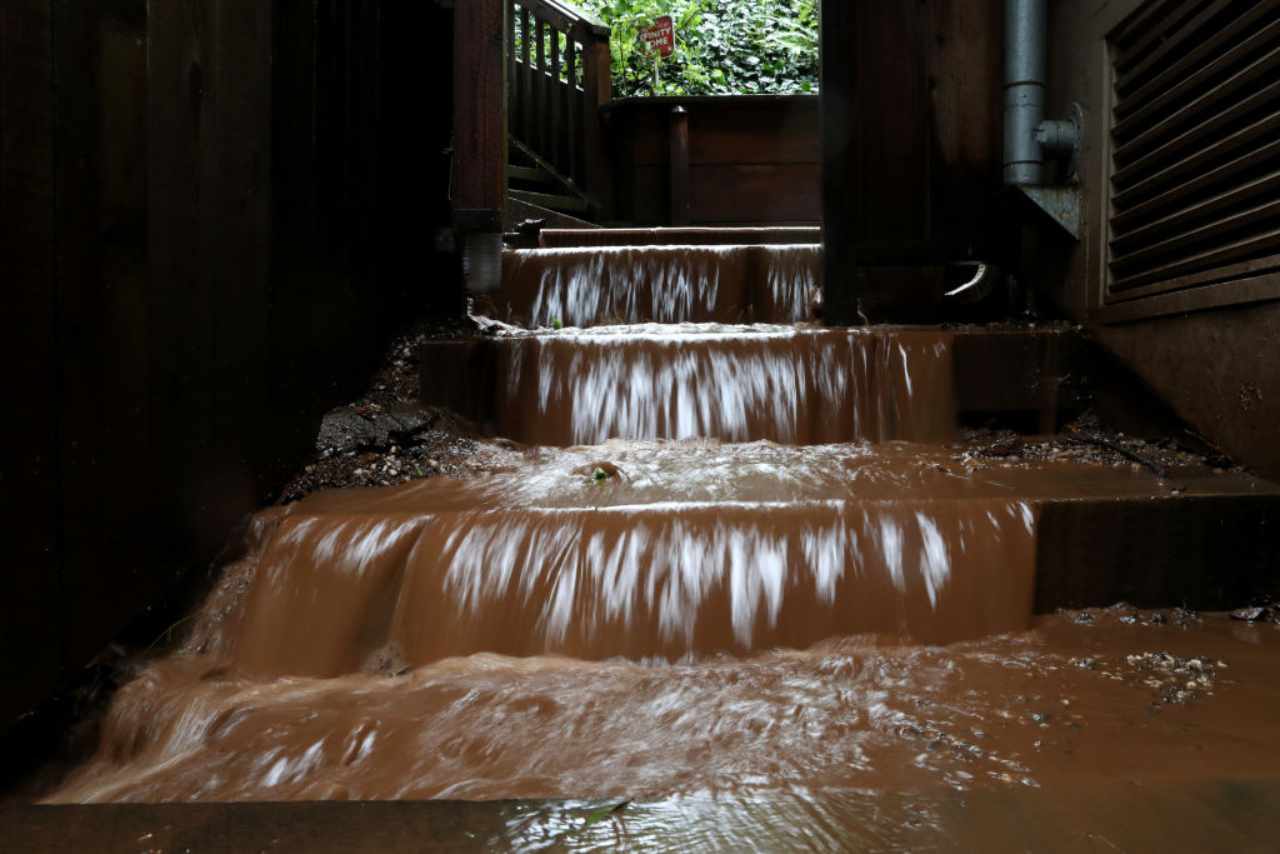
pixel 479 120
pixel 965 66
pixel 678 168
pixel 526 80
pixel 30 613
pixel 596 66
pixel 555 115
pixel 179 120
pixel 573 111
pixel 540 90
pixel 513 70
pixel 877 151
pixel 893 126
pixel 237 221
pixel 101 235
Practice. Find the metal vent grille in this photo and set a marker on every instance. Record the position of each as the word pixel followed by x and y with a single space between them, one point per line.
pixel 1195 146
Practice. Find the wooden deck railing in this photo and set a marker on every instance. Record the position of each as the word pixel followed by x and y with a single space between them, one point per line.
pixel 558 78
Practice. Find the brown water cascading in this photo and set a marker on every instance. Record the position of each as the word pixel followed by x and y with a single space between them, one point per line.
pixel 582 287
pixel 728 383
pixel 335 593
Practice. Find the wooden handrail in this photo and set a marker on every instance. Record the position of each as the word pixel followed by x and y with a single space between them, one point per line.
pixel 555 92
pixel 568 19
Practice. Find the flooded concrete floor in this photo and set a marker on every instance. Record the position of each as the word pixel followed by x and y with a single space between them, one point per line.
pixel 298 685
pixel 653 644
pixel 1104 727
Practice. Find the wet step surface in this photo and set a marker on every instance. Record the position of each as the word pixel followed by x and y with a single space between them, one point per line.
pixel 592 286
pixel 1111 698
pixel 802 385
pixel 838 640
pixel 669 551
pixel 524 634
pixel 1198 816
pixel 552 238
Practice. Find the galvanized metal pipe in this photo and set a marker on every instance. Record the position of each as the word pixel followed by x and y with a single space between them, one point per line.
pixel 1025 69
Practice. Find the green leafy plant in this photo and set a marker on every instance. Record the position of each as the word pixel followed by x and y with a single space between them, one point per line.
pixel 723 47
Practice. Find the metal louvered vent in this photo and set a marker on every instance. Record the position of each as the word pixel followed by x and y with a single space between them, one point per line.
pixel 1195 146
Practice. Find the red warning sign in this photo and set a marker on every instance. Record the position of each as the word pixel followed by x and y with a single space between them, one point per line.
pixel 661 37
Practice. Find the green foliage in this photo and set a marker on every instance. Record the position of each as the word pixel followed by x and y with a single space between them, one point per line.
pixel 723 47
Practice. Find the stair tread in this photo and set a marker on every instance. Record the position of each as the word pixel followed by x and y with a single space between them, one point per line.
pixel 739 236
pixel 572 204
pixel 642 477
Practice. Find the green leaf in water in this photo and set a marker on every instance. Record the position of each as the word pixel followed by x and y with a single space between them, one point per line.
pixel 604 812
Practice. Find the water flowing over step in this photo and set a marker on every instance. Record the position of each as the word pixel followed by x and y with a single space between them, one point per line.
pixel 363 646
pixel 730 383
pixel 664 284
pixel 661 550
pixel 559 238
pixel 794 384
pixel 627 605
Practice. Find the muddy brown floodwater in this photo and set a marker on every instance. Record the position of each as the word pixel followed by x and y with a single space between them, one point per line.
pixel 536 633
pixel 663 640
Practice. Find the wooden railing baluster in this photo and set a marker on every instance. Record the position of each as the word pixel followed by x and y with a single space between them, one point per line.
pixel 526 77
pixel 513 73
pixel 555 114
pixel 540 87
pixel 573 119
pixel 556 123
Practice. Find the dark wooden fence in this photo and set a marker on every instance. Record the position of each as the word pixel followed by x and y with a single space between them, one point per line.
pixel 206 211
pixel 558 79
pixel 722 160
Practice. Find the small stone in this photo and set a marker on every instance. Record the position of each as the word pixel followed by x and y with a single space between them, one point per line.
pixel 1249 615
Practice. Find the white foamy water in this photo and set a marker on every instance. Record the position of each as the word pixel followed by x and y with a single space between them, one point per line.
pixel 729 383
pixel 664 284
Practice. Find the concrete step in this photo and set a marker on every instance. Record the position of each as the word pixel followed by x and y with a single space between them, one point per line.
pixel 556 238
pixel 797 385
pixel 588 286
pixel 651 549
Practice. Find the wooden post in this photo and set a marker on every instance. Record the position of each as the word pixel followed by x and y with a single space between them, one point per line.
pixel 679 166
pixel 555 111
pixel 526 76
pixel 598 83
pixel 513 74
pixel 876 140
pixel 840 165
pixel 480 138
pixel 538 134
pixel 573 118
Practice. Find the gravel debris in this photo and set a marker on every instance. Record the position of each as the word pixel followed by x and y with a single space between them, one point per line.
pixel 386 437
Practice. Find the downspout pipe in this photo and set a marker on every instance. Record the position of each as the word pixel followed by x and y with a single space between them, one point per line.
pixel 1026 26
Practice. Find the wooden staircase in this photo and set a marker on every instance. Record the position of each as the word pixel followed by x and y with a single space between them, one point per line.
pixel 536 187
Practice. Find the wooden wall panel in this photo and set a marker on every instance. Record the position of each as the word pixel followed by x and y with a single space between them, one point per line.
pixel 752 160
pixel 191 235
pixel 100 85
pixel 29 581
pixel 911 144
pixel 747 194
